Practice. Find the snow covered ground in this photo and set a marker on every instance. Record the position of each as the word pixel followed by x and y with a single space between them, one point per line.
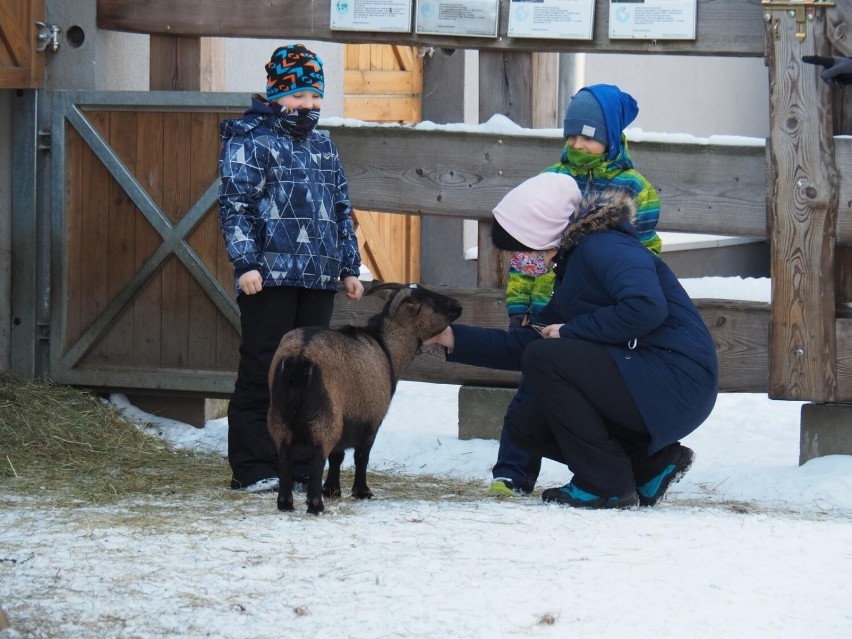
pixel 749 544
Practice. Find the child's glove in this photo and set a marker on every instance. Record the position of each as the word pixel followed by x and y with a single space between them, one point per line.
pixel 516 321
pixel 837 72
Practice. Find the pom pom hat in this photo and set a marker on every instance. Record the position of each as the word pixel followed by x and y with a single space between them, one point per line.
pixel 536 212
pixel 293 69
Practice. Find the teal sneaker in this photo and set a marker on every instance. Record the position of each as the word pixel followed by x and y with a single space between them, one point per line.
pixel 653 490
pixel 570 495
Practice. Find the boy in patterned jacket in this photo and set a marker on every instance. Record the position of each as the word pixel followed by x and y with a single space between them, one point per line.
pixel 285 215
pixel 595 155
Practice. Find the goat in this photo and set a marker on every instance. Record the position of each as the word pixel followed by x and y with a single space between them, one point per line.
pixel 330 389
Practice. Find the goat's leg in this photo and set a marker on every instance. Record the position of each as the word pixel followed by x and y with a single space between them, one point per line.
pixel 285 484
pixel 331 488
pixel 315 505
pixel 362 458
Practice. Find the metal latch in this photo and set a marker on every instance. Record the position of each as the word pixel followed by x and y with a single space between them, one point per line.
pixel 802 10
pixel 48 36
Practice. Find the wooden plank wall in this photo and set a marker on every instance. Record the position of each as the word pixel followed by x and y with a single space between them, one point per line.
pixel 172 323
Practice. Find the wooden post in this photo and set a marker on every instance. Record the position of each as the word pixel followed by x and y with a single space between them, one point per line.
pixel 187 63
pixel 184 64
pixel 802 207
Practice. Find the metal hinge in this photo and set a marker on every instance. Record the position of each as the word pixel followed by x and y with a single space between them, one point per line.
pixel 803 11
pixel 48 37
pixel 44 142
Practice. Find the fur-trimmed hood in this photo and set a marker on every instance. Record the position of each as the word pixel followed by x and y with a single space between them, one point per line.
pixel 599 211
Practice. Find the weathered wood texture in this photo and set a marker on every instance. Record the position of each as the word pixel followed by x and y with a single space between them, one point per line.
pixel 803 209
pixel 505 85
pixel 704 188
pixel 724 27
pixel 21 66
pixel 839 32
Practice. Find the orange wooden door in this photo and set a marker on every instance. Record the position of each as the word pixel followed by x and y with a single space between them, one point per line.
pixel 21 66
pixel 384 83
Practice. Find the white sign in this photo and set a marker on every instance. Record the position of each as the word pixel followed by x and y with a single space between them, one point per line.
pixel 458 17
pixel 561 19
pixel 652 19
pixel 371 15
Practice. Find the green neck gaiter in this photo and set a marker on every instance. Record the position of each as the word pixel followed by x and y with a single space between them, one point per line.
pixel 585 161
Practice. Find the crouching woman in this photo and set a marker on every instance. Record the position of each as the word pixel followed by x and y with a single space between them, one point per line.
pixel 615 369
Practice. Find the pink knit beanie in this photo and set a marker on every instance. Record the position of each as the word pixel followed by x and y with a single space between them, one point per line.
pixel 537 211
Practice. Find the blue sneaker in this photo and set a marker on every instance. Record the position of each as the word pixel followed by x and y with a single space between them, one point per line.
pixel 570 495
pixel 653 490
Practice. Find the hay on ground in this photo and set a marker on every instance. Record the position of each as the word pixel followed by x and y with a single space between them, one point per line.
pixel 66 442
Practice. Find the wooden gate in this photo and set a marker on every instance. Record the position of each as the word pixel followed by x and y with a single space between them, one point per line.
pixel 142 285
pixel 21 66
pixel 383 83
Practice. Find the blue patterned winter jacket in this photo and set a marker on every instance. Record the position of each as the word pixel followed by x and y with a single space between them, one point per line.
pixel 284 204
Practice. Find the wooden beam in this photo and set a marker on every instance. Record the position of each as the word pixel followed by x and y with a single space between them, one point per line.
pixel 704 188
pixel 724 27
pixel 803 214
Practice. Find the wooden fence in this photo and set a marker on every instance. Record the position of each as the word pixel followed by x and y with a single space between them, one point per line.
pixel 796 192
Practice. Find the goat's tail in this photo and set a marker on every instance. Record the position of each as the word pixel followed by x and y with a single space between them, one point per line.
pixel 296 392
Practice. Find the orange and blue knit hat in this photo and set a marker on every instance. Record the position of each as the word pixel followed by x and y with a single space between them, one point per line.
pixel 292 69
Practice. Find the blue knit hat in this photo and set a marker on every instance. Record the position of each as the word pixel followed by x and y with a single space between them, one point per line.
pixel 292 69
pixel 584 116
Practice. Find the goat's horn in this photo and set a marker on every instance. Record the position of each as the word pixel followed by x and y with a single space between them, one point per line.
pixel 383 286
pixel 399 298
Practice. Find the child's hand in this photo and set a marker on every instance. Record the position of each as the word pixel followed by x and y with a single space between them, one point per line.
pixel 251 282
pixel 354 288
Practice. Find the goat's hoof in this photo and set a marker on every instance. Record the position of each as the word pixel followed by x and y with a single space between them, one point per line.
pixel 285 505
pixel 328 491
pixel 366 493
pixel 315 509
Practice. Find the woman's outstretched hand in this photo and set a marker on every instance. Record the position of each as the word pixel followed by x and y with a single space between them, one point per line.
pixel 445 338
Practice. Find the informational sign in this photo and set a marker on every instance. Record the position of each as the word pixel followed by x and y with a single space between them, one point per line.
pixel 559 19
pixel 652 19
pixel 458 17
pixel 371 15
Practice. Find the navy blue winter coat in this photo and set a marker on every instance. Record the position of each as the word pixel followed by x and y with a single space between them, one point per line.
pixel 284 204
pixel 612 290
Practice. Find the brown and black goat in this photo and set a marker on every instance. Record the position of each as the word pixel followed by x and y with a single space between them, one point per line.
pixel 330 389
